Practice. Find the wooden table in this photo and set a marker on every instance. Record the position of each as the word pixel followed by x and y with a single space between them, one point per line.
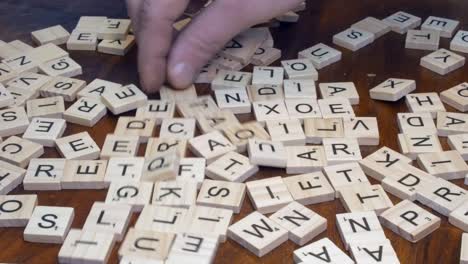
pixel 385 58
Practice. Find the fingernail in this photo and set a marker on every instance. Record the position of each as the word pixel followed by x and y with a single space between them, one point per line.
pixel 182 75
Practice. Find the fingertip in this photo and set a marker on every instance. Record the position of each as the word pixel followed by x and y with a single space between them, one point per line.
pixel 181 74
pixel 150 81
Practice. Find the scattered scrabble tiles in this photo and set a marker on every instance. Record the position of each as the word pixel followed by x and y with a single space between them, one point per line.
pixel 422 39
pixel 460 42
pixel 321 55
pixel 268 195
pixel 401 22
pixel 345 89
pixel 232 167
pixel 16 209
pixel 446 27
pixel 19 151
pixel 392 89
pixel 321 251
pixel 372 25
pixel 359 227
pixel 443 61
pixel 222 194
pixel 456 97
pixel 365 197
pixel 56 34
pixel 370 251
pixel 45 130
pixel 49 224
pixel 353 39
pixel 78 146
pixel 124 99
pixel 310 188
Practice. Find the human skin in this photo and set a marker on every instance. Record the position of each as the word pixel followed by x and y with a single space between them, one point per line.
pixel 177 59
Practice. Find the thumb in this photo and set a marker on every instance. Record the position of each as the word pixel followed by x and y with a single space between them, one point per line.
pixel 212 29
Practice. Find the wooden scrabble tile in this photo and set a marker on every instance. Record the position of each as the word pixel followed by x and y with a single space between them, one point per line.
pixel 135 194
pixel 124 99
pixel 289 132
pixel 365 197
pixel 192 169
pixel 268 75
pixel 459 143
pixel 202 105
pixel 242 47
pixel 302 223
pixel 13 121
pixel 392 89
pixel 108 218
pixel 19 152
pixel 267 153
pixel 299 69
pixel 382 162
pixel 143 128
pixel 299 89
pixel 175 193
pixel 119 146
pixel 177 128
pixel 156 110
pixel 84 174
pixel 65 67
pixel 345 175
pixel 8 50
pixel 321 251
pixel 50 107
pixel 231 79
pixel 63 86
pixel 456 97
pixel 336 107
pixel 239 134
pixel 124 170
pixel 161 219
pixel 161 167
pixel 222 194
pixel 412 145
pixel 321 55
pixel 464 249
pixel 359 227
pixel 116 47
pixel 268 195
pixel 170 94
pixel 20 64
pixel 424 102
pixel 216 121
pixel 374 252
pixel 372 25
pixel 442 61
pixel 82 40
pixel 6 98
pixel 86 111
pixel 270 110
pixel 49 224
pixel 303 159
pixel 410 221
pixel 446 27
pixel 21 46
pixel 302 109
pixel 56 34
pixel 44 174
pixel 353 39
pixel 20 96
pixel 448 165
pixel 265 92
pixel 442 196
pixel 413 123
pixel 79 146
pixel 364 129
pixel 45 131
pixel 210 146
pixel 451 123
pixel 91 22
pixel 193 247
pixel 232 167
pixel 10 177
pixel 211 221
pixel 47 53
pixel 224 63
pixel 459 217
pixel 146 244
pixel 97 88
pixel 16 209
pixel 207 73
pixel 258 234
pixel 6 73
pixel 422 40
pixel 460 42
pixel 316 129
pixel 401 22
pixel 86 246
pixel 166 145
pixel 310 188
pixel 29 81
pixel 344 89
pixel 234 100
pixel 264 56
pixel 112 29
pixel 341 150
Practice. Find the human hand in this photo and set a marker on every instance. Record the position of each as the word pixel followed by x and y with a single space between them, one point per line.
pixel 178 61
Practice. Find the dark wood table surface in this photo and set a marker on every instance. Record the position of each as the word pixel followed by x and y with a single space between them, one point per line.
pixel 367 67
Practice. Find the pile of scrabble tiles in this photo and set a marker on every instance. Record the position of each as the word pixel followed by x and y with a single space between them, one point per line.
pixel 186 202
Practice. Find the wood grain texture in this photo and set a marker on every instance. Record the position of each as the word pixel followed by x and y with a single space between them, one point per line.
pixel 368 67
